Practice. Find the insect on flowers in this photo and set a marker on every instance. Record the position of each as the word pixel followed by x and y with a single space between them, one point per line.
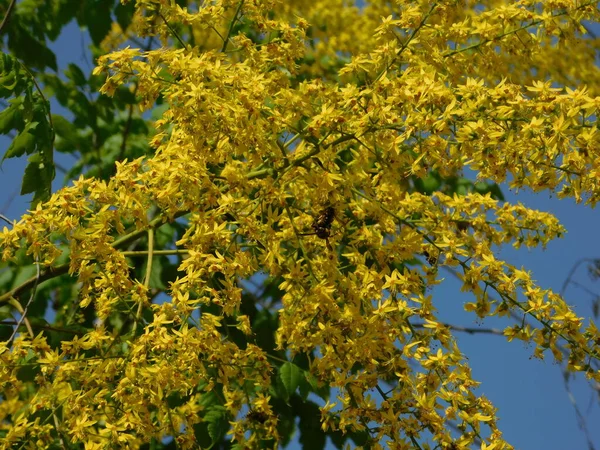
pixel 322 225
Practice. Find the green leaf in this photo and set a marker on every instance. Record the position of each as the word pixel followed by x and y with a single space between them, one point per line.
pixel 304 385
pixel 62 13
pixel 36 136
pixel 8 81
pixel 96 16
pixel 123 96
pixel 68 141
pixel 7 64
pixel 54 86
pixel 23 273
pixel 264 326
pixel 124 14
pixel 431 183
pixel 157 112
pixel 360 438
pixel 338 438
pixel 13 77
pixel 218 423
pixel 491 188
pixel 5 312
pixel 321 391
pixel 175 400
pixel 28 369
pixel 9 118
pixel 38 178
pixel 311 434
pixel 481 188
pixel 496 192
pixel 38 55
pixel 209 399
pixel 81 108
pixel 164 235
pixel 461 189
pixel 290 375
pixel 37 322
pixel 286 424
pixel 28 372
pixel 25 142
pixel 75 74
pixel 5 332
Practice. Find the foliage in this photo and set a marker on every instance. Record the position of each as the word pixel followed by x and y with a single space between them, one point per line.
pixel 28 112
pixel 259 257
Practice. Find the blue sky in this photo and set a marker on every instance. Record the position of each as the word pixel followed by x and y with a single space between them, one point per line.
pixel 534 408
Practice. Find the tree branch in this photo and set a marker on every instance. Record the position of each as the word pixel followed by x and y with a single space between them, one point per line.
pixel 468 330
pixel 7 15
pixel 231 25
pixel 56 271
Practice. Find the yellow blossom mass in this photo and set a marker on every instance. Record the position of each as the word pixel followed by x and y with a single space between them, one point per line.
pixel 305 187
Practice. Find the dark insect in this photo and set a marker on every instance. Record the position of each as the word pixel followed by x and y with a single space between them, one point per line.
pixel 322 224
pixel 257 416
pixel 463 225
pixel 431 259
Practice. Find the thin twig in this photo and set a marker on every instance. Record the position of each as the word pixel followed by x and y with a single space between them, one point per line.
pixel 47 274
pixel 505 297
pixel 172 30
pixel 572 273
pixel 155 252
pixel 57 428
pixel 56 271
pixel 15 304
pixel 507 33
pixel 408 41
pixel 231 25
pixel 578 414
pixel 138 314
pixel 24 310
pixel 46 103
pixel 7 15
pixel 9 200
pixel 469 330
pixel 45 327
pixel 583 288
pixel 304 253
pixel 580 417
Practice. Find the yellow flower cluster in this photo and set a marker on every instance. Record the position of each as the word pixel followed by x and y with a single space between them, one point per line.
pixel 293 138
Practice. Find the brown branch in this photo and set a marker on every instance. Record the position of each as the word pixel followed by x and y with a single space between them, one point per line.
pixel 9 199
pixel 469 330
pixel 56 271
pixel 172 30
pixel 581 422
pixel 7 15
pixel 572 272
pixel 44 327
pixel 24 310
pixel 231 25
pixel 47 274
